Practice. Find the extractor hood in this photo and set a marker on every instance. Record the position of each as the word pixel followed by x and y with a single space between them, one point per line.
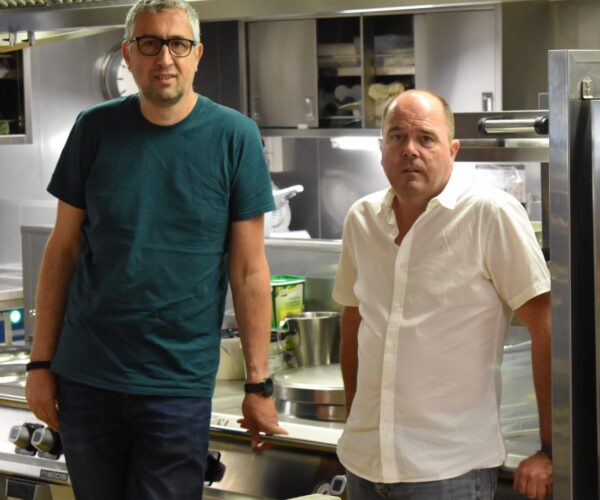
pixel 36 15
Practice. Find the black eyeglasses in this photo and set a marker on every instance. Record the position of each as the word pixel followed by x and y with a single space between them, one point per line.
pixel 152 45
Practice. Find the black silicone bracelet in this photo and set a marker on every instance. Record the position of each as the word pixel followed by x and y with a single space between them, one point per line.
pixel 547 449
pixel 38 365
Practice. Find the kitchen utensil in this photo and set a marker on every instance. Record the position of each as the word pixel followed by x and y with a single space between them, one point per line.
pixel 315 337
pixel 316 392
pixel 279 219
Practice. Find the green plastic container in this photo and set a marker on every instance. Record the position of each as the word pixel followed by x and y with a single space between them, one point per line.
pixel 287 297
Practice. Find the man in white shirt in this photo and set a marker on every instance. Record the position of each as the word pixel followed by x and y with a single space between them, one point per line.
pixel 429 276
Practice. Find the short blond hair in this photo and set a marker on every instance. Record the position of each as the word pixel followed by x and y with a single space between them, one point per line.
pixel 448 113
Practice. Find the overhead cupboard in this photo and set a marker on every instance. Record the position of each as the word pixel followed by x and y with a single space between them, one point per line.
pixel 13 94
pixel 339 72
pixel 326 73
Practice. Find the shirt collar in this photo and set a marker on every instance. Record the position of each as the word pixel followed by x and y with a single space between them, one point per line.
pixel 449 195
pixel 385 210
pixel 447 198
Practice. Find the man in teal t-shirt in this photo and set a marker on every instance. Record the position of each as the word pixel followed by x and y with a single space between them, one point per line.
pixel 161 203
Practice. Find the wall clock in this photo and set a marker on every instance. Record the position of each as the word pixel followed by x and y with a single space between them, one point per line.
pixel 115 78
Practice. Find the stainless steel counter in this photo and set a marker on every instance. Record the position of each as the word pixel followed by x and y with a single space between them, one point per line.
pixel 303 433
pixel 520 433
pixel 298 464
pixel 518 413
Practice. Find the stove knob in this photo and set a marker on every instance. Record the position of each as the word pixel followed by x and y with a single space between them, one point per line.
pixel 21 435
pixel 47 443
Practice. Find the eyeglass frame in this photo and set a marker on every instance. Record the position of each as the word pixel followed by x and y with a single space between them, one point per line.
pixel 163 42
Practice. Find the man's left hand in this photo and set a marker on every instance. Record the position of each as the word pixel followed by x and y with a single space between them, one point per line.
pixel 533 476
pixel 259 416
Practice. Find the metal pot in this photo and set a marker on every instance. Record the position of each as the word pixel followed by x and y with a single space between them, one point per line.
pixel 315 337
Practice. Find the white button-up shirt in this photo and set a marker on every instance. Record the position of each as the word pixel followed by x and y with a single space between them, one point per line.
pixel 435 311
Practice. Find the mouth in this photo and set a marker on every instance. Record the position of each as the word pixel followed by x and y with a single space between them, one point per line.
pixel 165 77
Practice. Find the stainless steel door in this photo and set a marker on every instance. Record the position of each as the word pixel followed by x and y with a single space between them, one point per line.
pixel 573 76
pixel 282 66
pixel 33 243
pixel 15 488
pixel 595 151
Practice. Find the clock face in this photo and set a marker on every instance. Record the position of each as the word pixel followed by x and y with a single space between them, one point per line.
pixel 115 78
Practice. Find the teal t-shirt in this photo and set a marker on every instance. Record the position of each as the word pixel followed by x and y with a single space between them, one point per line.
pixel 146 301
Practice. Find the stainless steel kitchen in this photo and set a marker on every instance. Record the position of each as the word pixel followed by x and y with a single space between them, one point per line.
pixel 523 78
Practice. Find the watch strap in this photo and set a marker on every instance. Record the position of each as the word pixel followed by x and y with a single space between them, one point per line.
pixel 264 387
pixel 38 365
pixel 546 448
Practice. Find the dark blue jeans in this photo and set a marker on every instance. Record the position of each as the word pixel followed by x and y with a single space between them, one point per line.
pixel 130 447
pixel 478 484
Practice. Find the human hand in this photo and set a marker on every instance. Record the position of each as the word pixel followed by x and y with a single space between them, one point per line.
pixel 259 415
pixel 533 476
pixel 40 392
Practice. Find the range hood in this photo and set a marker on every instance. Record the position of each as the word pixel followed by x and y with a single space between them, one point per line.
pixel 17 17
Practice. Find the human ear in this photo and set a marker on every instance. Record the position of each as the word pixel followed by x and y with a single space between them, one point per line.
pixel 454 147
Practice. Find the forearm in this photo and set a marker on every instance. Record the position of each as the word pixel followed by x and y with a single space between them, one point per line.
pixel 54 279
pixel 252 302
pixel 537 316
pixel 541 365
pixel 349 366
pixel 350 322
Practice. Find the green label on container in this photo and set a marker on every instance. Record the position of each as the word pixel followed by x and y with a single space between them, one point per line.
pixel 288 298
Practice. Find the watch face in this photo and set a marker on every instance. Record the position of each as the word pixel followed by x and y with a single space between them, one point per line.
pixel 115 78
pixel 267 387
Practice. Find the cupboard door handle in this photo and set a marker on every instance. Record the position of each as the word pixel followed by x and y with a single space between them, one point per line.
pixel 256 108
pixel 487 101
pixel 309 108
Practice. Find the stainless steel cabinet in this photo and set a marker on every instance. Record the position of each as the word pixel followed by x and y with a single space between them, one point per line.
pixel 340 72
pixel 458 55
pixel 282 63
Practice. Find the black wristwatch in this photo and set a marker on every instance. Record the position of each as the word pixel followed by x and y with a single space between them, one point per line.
pixel 264 387
pixel 546 448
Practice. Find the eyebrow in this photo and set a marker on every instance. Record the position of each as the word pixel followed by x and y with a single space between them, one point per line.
pixel 427 131
pixel 158 37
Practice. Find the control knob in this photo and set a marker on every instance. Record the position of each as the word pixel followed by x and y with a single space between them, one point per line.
pixel 47 443
pixel 21 435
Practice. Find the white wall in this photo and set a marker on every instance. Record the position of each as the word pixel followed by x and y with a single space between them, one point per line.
pixel 65 79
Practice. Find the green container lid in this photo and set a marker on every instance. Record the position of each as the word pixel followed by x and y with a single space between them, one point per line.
pixel 286 279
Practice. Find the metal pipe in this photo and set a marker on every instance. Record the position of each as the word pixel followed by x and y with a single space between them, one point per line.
pixel 537 125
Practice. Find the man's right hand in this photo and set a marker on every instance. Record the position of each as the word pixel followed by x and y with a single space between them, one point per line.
pixel 40 392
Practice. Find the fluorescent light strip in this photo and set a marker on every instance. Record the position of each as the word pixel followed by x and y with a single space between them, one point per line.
pixel 352 143
pixel 387 9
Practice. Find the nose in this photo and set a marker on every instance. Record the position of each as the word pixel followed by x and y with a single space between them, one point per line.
pixel 164 56
pixel 410 147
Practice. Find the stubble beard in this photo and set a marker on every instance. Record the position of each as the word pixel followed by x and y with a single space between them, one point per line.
pixel 163 99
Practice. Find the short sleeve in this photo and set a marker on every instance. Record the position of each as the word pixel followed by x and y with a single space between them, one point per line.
pixel 68 180
pixel 514 260
pixel 345 278
pixel 252 194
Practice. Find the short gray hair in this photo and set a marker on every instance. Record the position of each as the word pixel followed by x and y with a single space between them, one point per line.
pixel 160 5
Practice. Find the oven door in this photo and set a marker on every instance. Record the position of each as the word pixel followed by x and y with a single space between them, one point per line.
pixel 16 488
